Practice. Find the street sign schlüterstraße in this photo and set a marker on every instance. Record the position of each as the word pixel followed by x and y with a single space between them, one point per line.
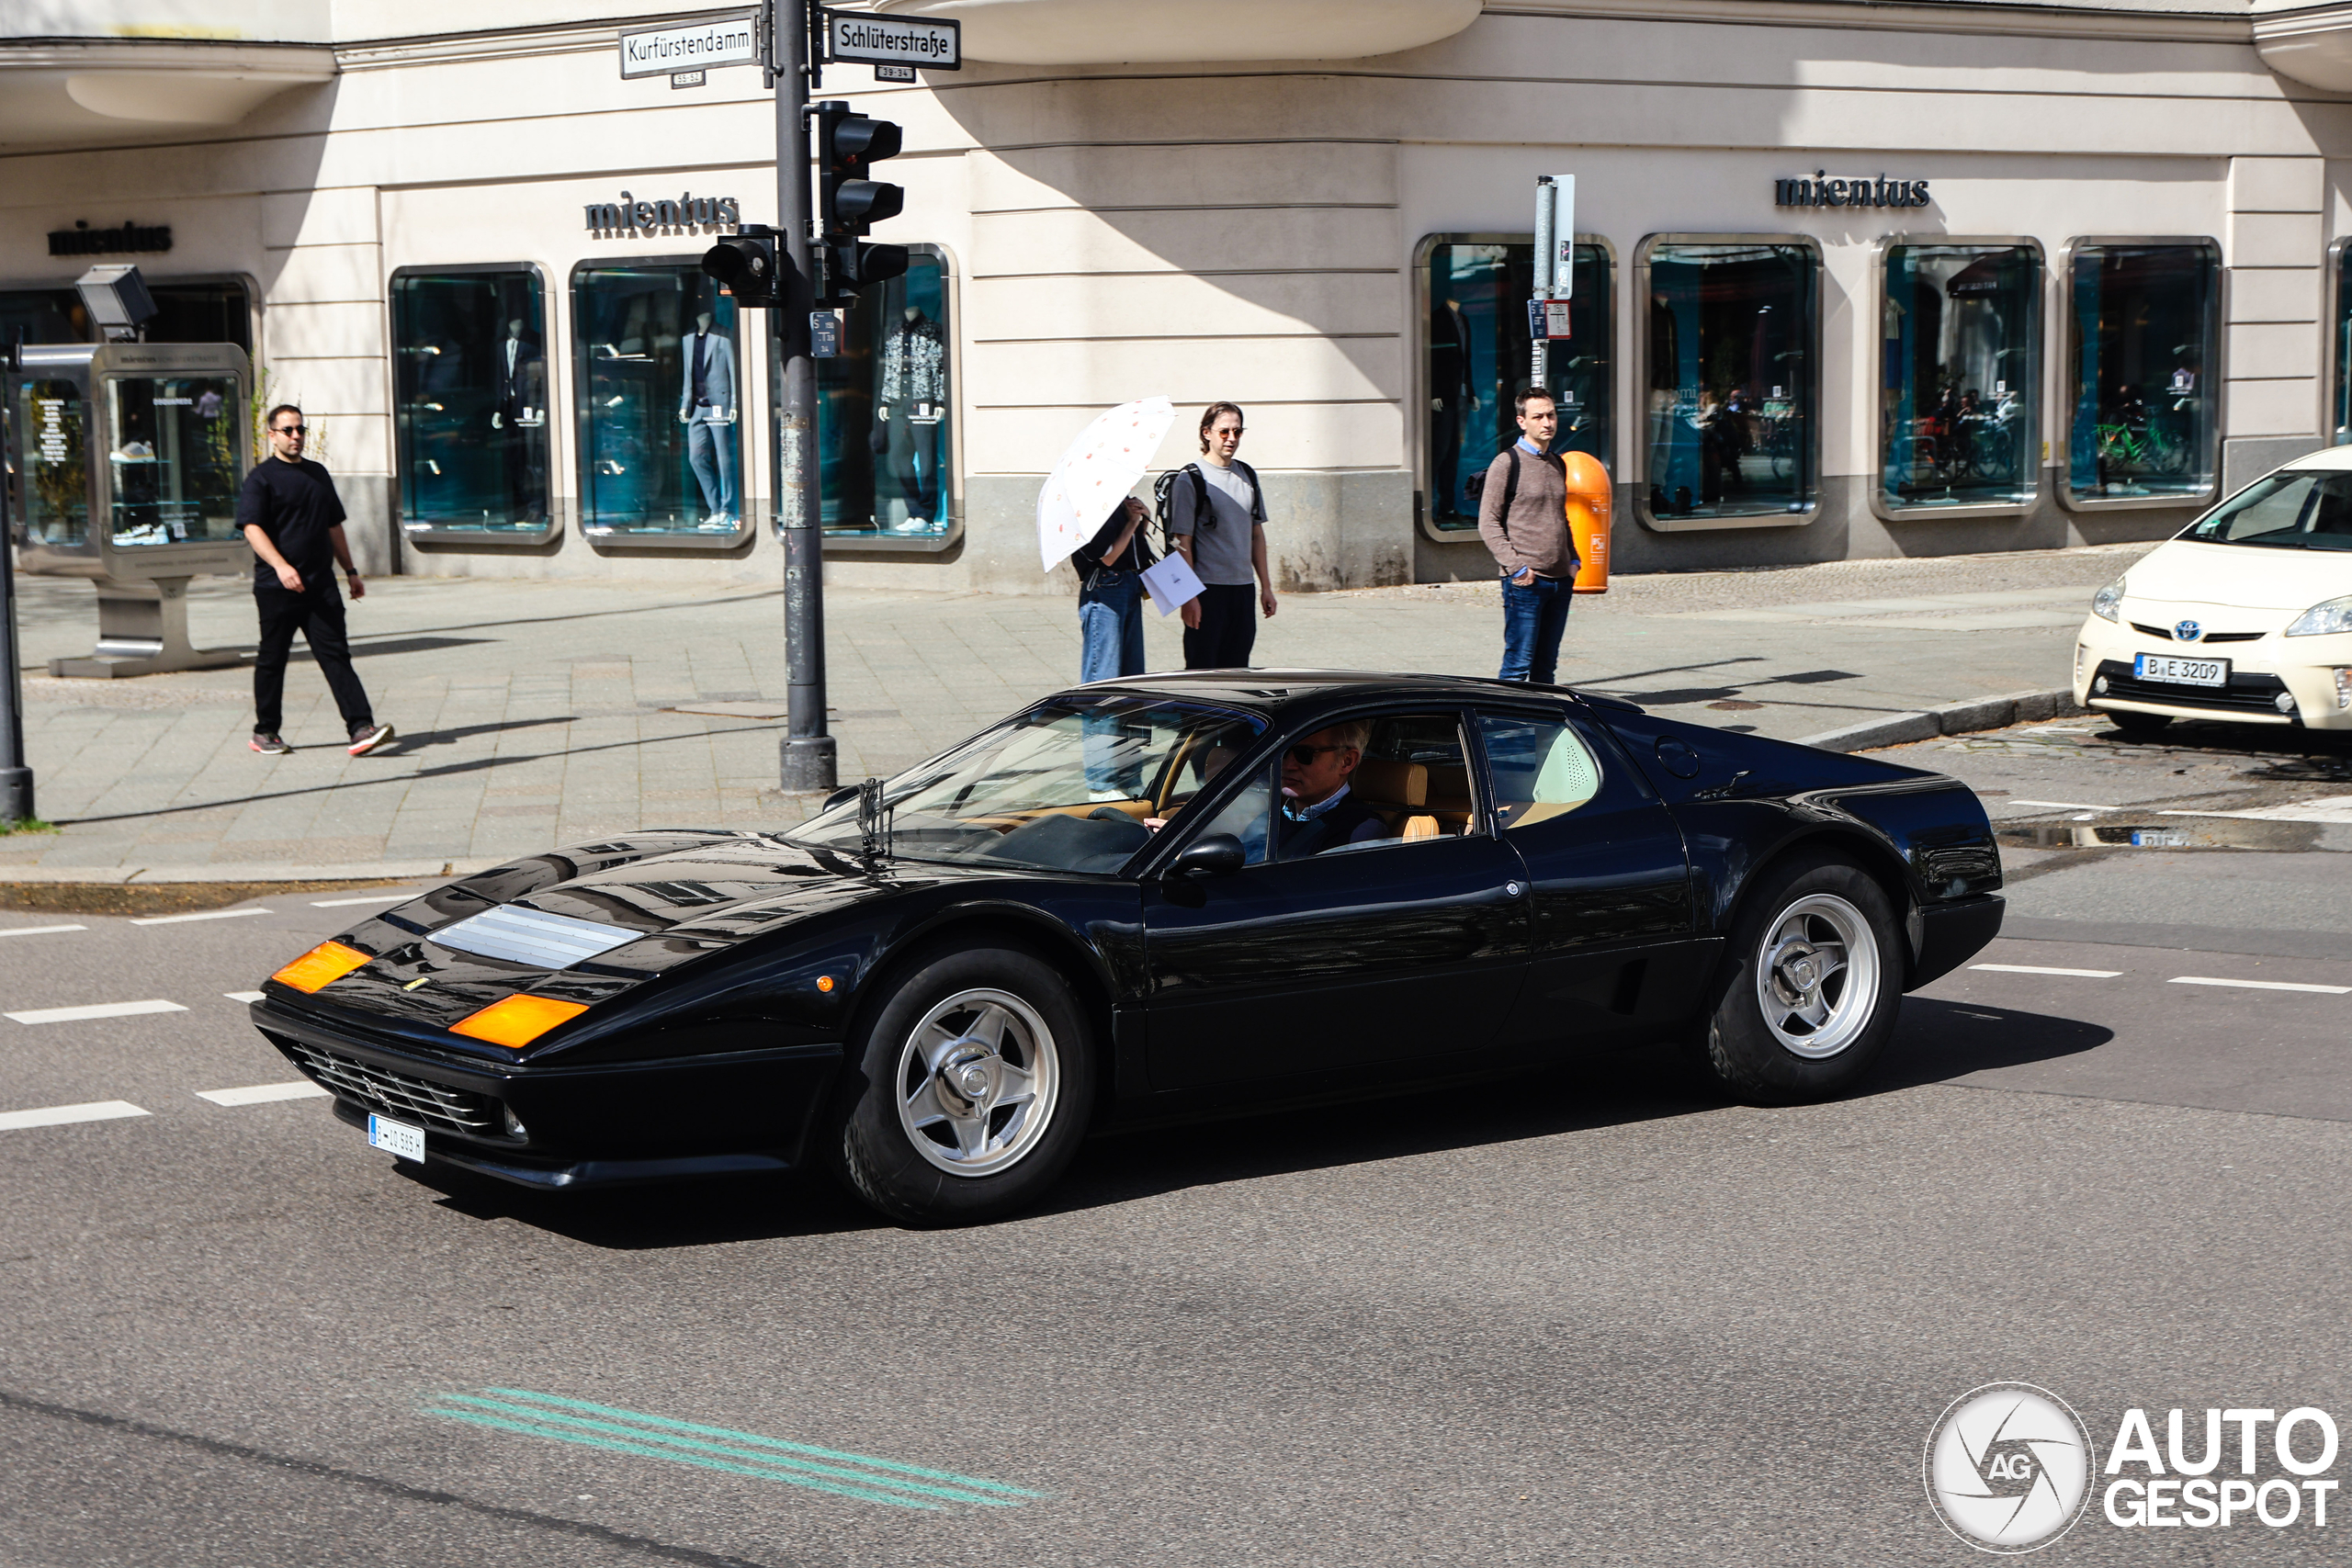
pixel 869 39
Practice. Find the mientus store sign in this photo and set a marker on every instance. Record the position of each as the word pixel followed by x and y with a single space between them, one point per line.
pixel 688 212
pixel 1823 191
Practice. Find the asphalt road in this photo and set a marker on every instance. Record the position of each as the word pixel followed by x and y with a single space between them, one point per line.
pixel 1580 1317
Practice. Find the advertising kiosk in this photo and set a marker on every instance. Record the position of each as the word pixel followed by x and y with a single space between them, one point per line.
pixel 125 467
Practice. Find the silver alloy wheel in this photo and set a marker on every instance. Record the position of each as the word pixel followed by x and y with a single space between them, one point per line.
pixel 1816 976
pixel 977 1081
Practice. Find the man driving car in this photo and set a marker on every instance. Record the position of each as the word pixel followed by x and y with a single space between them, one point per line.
pixel 1318 811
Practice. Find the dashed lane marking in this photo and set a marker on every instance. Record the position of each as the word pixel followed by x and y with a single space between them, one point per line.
pixel 103 1009
pixel 2063 805
pixel 864 1477
pixel 346 903
pixel 206 914
pixel 263 1093
pixel 243 995
pixel 2039 969
pixel 41 931
pixel 60 1115
pixel 2260 984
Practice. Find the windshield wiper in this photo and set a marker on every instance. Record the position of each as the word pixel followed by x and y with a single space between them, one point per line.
pixel 873 819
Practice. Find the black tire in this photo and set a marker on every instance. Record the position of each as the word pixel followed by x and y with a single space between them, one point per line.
pixel 2140 723
pixel 1042 1031
pixel 1746 1055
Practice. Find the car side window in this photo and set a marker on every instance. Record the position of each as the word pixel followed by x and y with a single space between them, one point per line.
pixel 1542 768
pixel 1246 816
pixel 1409 784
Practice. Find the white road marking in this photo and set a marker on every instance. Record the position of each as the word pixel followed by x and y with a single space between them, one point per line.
pixel 206 915
pixel 243 995
pixel 2065 806
pixel 2326 809
pixel 263 1093
pixel 2260 984
pixel 2038 969
pixel 59 1115
pixel 104 1009
pixel 344 903
pixel 41 931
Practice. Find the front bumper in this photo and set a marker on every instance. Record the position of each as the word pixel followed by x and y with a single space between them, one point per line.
pixel 603 1124
pixel 2302 670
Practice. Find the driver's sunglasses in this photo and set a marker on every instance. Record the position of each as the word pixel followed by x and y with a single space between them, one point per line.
pixel 291 430
pixel 1305 755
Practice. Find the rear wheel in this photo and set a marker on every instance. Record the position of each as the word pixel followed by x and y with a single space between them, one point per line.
pixel 1814 981
pixel 2140 723
pixel 976 1075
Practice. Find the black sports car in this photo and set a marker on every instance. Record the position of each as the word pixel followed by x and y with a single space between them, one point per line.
pixel 1146 899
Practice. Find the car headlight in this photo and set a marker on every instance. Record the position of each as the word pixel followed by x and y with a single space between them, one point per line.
pixel 2323 619
pixel 2107 603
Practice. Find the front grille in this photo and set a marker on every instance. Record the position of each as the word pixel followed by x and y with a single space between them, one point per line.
pixel 2164 634
pixel 2246 692
pixel 394 1094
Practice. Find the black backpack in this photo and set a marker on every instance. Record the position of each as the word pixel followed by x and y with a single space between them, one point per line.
pixel 1163 491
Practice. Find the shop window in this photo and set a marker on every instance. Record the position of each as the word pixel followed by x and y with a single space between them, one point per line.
pixel 1478 354
pixel 1960 357
pixel 2145 407
pixel 885 414
pixel 660 418
pixel 52 422
pixel 43 315
pixel 2339 396
pixel 470 355
pixel 201 313
pixel 174 462
pixel 1731 347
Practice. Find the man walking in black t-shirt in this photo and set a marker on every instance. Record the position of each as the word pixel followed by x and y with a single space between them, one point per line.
pixel 292 517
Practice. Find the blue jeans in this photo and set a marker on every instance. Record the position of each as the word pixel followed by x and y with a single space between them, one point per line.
pixel 1534 619
pixel 1110 629
pixel 711 451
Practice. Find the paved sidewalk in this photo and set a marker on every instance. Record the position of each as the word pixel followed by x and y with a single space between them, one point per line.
pixel 533 714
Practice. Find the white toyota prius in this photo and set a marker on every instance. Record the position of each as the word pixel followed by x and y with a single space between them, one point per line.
pixel 2246 615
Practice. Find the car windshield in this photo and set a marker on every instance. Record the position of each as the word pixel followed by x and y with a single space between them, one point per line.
pixel 2296 510
pixel 1077 784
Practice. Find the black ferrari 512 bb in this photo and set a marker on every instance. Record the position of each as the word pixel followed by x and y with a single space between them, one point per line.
pixel 1146 899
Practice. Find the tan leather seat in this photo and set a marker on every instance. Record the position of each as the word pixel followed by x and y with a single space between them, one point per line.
pixel 1396 791
pixel 1447 798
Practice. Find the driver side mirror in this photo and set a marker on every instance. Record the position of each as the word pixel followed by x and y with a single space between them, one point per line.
pixel 1215 854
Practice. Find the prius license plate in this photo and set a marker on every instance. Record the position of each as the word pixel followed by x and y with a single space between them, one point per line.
pixel 2176 670
pixel 397 1137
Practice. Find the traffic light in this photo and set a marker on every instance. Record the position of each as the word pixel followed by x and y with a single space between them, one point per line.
pixel 749 263
pixel 849 204
pixel 848 144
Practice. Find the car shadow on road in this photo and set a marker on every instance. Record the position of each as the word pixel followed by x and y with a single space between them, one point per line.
pixel 1936 1041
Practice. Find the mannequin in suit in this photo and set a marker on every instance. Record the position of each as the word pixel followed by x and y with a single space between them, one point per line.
pixel 706 408
pixel 519 378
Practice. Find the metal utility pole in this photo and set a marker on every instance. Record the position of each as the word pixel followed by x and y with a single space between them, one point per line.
pixel 808 762
pixel 15 778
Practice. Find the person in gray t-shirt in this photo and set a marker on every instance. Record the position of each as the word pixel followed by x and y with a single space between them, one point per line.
pixel 1226 547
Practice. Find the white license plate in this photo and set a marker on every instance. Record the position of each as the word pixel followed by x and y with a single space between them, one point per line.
pixel 2179 672
pixel 397 1137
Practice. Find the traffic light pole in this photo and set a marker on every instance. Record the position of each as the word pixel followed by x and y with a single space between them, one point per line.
pixel 807 753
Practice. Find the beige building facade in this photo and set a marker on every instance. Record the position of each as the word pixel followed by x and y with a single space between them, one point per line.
pixel 1852 279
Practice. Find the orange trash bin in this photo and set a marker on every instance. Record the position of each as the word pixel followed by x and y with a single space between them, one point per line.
pixel 1590 502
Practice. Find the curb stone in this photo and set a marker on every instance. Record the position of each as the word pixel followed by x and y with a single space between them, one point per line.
pixel 251 871
pixel 1952 718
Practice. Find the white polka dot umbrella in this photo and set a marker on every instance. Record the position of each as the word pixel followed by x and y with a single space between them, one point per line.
pixel 1103 464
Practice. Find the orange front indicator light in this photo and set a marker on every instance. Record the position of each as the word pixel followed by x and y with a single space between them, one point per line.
pixel 323 964
pixel 519 1020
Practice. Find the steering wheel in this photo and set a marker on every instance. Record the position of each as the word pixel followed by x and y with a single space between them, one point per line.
pixel 1108 813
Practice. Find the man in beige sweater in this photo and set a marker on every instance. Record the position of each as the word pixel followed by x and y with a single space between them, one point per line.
pixel 1524 517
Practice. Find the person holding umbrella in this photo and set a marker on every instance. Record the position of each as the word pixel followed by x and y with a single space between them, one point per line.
pixel 1110 569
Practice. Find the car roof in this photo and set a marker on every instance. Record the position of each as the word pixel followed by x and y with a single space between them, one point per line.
pixel 1275 691
pixel 2327 457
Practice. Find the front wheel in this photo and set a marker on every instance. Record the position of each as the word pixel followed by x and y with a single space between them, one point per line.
pixel 1814 981
pixel 974 1082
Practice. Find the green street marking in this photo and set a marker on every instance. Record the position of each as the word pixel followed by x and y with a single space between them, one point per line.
pixel 874 1480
